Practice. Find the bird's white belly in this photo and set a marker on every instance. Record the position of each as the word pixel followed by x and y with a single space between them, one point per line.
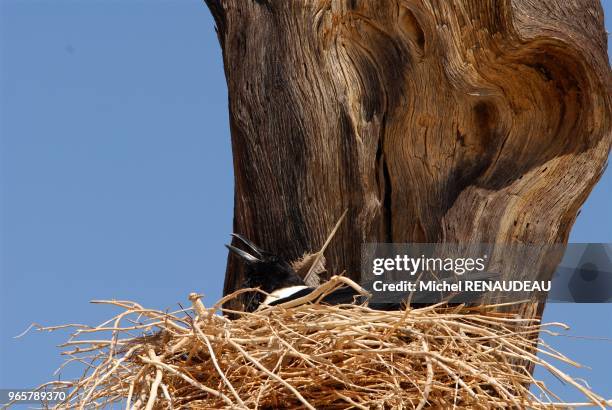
pixel 283 293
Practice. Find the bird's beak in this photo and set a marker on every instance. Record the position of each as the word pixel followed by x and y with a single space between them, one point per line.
pixel 244 255
pixel 258 252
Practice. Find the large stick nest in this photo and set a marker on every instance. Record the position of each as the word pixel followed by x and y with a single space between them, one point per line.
pixel 312 356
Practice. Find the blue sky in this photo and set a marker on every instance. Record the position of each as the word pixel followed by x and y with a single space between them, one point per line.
pixel 116 174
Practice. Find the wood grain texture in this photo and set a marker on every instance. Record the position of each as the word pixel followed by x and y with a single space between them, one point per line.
pixel 430 120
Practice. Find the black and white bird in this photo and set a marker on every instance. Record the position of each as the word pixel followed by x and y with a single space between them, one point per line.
pixel 281 283
pixel 278 279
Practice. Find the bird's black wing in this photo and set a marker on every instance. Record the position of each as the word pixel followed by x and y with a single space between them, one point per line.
pixel 344 296
pixel 347 295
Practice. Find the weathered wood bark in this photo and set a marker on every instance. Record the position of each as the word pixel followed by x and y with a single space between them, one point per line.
pixel 430 120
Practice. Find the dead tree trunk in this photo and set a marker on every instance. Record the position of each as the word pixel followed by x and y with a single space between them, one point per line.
pixel 431 121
